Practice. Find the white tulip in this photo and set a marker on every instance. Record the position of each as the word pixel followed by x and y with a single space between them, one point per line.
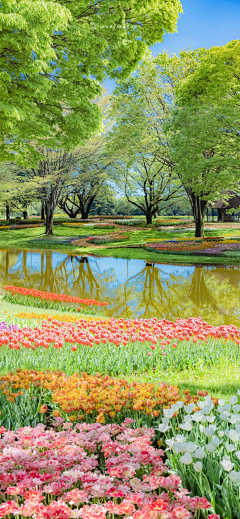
pixel 180 438
pixel 237 427
pixel 211 419
pixel 226 432
pixel 233 435
pixel 186 426
pixel 221 433
pixel 208 431
pixel 204 419
pixel 165 420
pixel 227 465
pixel 230 447
pixel 232 419
pixel 190 447
pixel 210 447
pixel 186 458
pixel 180 404
pixel 233 400
pixel 198 466
pixel 236 408
pixel 187 418
pixel 221 402
pixel 168 413
pixel 235 477
pixel 170 443
pixel 180 447
pixel 163 427
pixel 199 453
pixel 215 441
pixel 207 409
pixel 238 392
pixel 202 404
pixel 189 408
pixel 175 407
pixel 224 416
pixel 197 416
pixel 227 407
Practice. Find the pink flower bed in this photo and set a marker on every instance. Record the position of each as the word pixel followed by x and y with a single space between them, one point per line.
pixel 89 471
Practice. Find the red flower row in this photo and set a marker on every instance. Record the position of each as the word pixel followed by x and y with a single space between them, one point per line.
pixel 50 296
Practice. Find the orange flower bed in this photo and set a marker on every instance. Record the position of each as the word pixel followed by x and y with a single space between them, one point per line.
pixel 98 398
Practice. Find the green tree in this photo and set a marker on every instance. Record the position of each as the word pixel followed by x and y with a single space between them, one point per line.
pixel 90 181
pixel 205 128
pixel 53 57
pixel 140 106
pixel 46 181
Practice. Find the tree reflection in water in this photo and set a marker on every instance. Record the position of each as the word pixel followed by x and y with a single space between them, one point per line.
pixel 209 292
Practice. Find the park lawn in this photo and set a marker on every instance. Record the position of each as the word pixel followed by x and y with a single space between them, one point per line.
pixel 35 239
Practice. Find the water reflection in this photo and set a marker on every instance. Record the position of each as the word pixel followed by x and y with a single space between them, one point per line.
pixel 133 288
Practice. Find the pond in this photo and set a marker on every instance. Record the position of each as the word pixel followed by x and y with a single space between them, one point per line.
pixel 133 288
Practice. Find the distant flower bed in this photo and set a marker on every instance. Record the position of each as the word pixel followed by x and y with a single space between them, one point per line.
pixel 3 227
pixel 26 226
pixel 210 245
pixel 110 217
pixel 39 299
pixel 130 222
pixel 101 240
pixel 174 221
pixel 92 225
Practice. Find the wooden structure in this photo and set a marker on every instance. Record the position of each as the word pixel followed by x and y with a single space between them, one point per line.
pixel 232 202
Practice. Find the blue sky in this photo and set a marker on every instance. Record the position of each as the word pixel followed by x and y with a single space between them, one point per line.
pixel 205 23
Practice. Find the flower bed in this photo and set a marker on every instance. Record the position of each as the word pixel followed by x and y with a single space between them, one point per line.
pixel 131 222
pixel 92 225
pixel 206 452
pixel 188 246
pixel 116 346
pixel 39 299
pixel 94 397
pixel 101 240
pixel 4 227
pixel 174 221
pixel 92 472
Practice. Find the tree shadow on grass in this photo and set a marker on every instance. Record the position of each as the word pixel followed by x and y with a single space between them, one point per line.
pixel 219 388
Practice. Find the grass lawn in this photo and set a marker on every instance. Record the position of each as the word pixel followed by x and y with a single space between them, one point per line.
pixel 35 239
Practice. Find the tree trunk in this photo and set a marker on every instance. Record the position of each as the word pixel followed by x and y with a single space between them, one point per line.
pixel 84 214
pixel 7 212
pixel 198 207
pixel 149 217
pixel 42 212
pixel 25 215
pixel 86 210
pixel 49 218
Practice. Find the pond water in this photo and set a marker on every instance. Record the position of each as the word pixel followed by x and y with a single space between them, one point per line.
pixel 133 288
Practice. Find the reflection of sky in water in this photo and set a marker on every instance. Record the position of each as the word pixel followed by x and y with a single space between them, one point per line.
pixel 123 269
pixel 126 269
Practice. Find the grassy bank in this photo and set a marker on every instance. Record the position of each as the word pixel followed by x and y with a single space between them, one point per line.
pixel 35 239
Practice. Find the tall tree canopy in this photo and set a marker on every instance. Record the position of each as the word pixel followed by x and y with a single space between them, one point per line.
pixel 54 55
pixel 205 128
pixel 140 106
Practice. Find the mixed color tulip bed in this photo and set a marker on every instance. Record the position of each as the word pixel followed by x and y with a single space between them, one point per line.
pixel 214 246
pixel 82 435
